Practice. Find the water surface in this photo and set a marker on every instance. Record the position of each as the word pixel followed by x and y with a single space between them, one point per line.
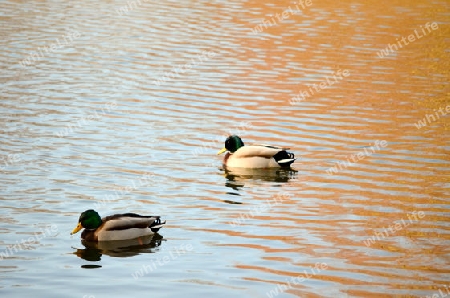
pixel 122 107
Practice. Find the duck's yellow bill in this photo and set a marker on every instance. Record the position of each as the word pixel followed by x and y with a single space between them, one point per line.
pixel 222 151
pixel 77 229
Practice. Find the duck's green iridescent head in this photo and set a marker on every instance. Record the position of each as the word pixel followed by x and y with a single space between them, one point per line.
pixel 89 219
pixel 232 144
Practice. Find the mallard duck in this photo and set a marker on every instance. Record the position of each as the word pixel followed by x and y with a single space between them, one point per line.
pixel 116 227
pixel 254 156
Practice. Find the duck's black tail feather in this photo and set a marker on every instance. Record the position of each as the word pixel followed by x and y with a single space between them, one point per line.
pixel 157 224
pixel 284 158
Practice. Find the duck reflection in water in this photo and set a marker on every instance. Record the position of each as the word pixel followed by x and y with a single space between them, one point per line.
pixel 267 174
pixel 93 251
pixel 237 177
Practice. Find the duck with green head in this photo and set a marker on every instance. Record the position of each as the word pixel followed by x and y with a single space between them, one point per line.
pixel 116 227
pixel 254 156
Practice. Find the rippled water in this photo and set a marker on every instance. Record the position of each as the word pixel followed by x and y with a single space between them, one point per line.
pixel 121 106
